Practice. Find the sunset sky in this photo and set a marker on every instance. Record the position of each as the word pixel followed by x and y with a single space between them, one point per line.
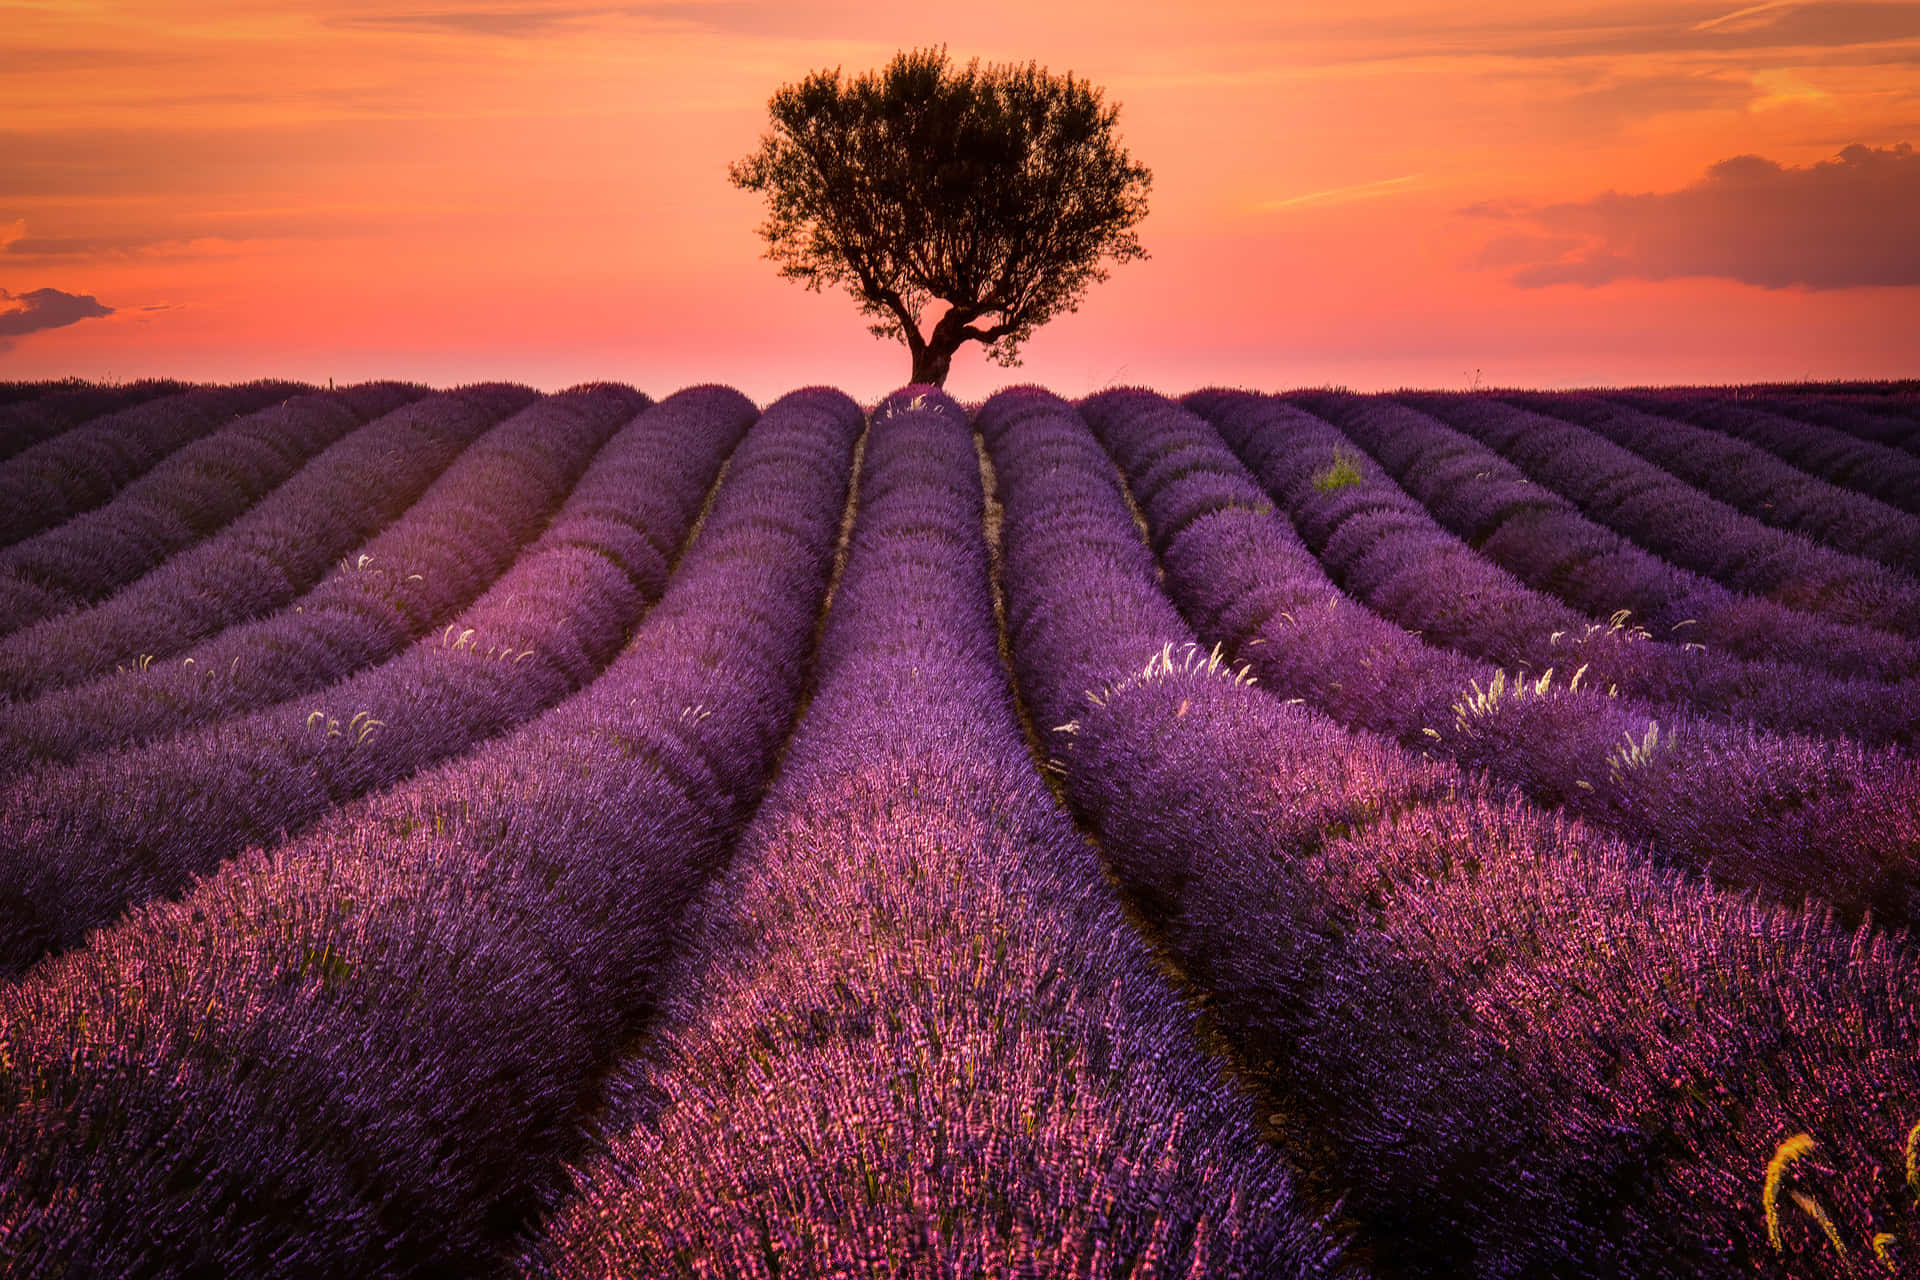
pixel 1370 194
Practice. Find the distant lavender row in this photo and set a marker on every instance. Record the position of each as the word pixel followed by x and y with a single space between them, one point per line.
pixel 915 1036
pixel 69 863
pixel 1382 547
pixel 1794 817
pixel 77 470
pixel 368 1053
pixel 1519 1051
pixel 1889 475
pixel 437 557
pixel 1746 477
pixel 17 391
pixel 1678 522
pixel 1875 419
pixel 183 498
pixel 1543 540
pixel 266 558
pixel 42 411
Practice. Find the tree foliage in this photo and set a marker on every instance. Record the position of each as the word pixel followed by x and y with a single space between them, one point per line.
pixel 999 191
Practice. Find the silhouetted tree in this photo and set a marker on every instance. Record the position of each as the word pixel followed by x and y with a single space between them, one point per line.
pixel 995 190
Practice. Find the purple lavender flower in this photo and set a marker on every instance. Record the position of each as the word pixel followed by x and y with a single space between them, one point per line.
pixel 368 1051
pixel 913 1034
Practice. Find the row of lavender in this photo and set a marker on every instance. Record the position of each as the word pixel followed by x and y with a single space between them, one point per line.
pixel 1792 816
pixel 70 862
pixel 412 577
pixel 76 468
pixel 1546 542
pixel 1740 473
pixel 1644 501
pixel 701 1035
pixel 33 412
pixel 370 1051
pixel 266 558
pixel 348 1109
pixel 1520 1048
pixel 1757 564
pixel 1382 547
pixel 185 496
pixel 1892 420
pixel 913 1034
pixel 1878 470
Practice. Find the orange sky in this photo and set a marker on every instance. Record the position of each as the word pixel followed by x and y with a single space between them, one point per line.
pixel 1374 194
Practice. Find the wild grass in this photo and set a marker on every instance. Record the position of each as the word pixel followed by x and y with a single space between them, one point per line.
pixel 1342 473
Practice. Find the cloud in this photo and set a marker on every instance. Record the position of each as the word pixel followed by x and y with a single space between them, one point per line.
pixel 522 21
pixel 1343 195
pixel 1874 29
pixel 1740 17
pixel 1814 24
pixel 511 23
pixel 1781 88
pixel 1843 223
pixel 1499 210
pixel 23 59
pixel 1634 98
pixel 25 246
pixel 37 309
pixel 1524 250
pixel 1829 25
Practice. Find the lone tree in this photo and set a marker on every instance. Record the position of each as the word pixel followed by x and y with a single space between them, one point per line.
pixel 995 190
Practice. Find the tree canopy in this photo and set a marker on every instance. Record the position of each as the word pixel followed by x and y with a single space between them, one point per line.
pixel 998 191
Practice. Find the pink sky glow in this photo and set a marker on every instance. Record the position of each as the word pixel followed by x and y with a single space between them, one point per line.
pixel 1371 194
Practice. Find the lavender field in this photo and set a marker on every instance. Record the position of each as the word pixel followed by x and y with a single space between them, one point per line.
pixel 487 833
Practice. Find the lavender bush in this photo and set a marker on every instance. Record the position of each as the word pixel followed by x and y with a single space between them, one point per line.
pixel 914 1035
pixel 413 576
pixel 41 411
pixel 69 863
pixel 1383 548
pixel 1545 542
pixel 79 469
pixel 1522 1050
pixel 1875 419
pixel 1747 477
pixel 1680 523
pixel 269 556
pixel 368 1052
pixel 1834 456
pixel 1698 791
pixel 455 967
pixel 184 497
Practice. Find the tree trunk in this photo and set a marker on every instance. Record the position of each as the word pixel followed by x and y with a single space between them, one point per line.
pixel 930 365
